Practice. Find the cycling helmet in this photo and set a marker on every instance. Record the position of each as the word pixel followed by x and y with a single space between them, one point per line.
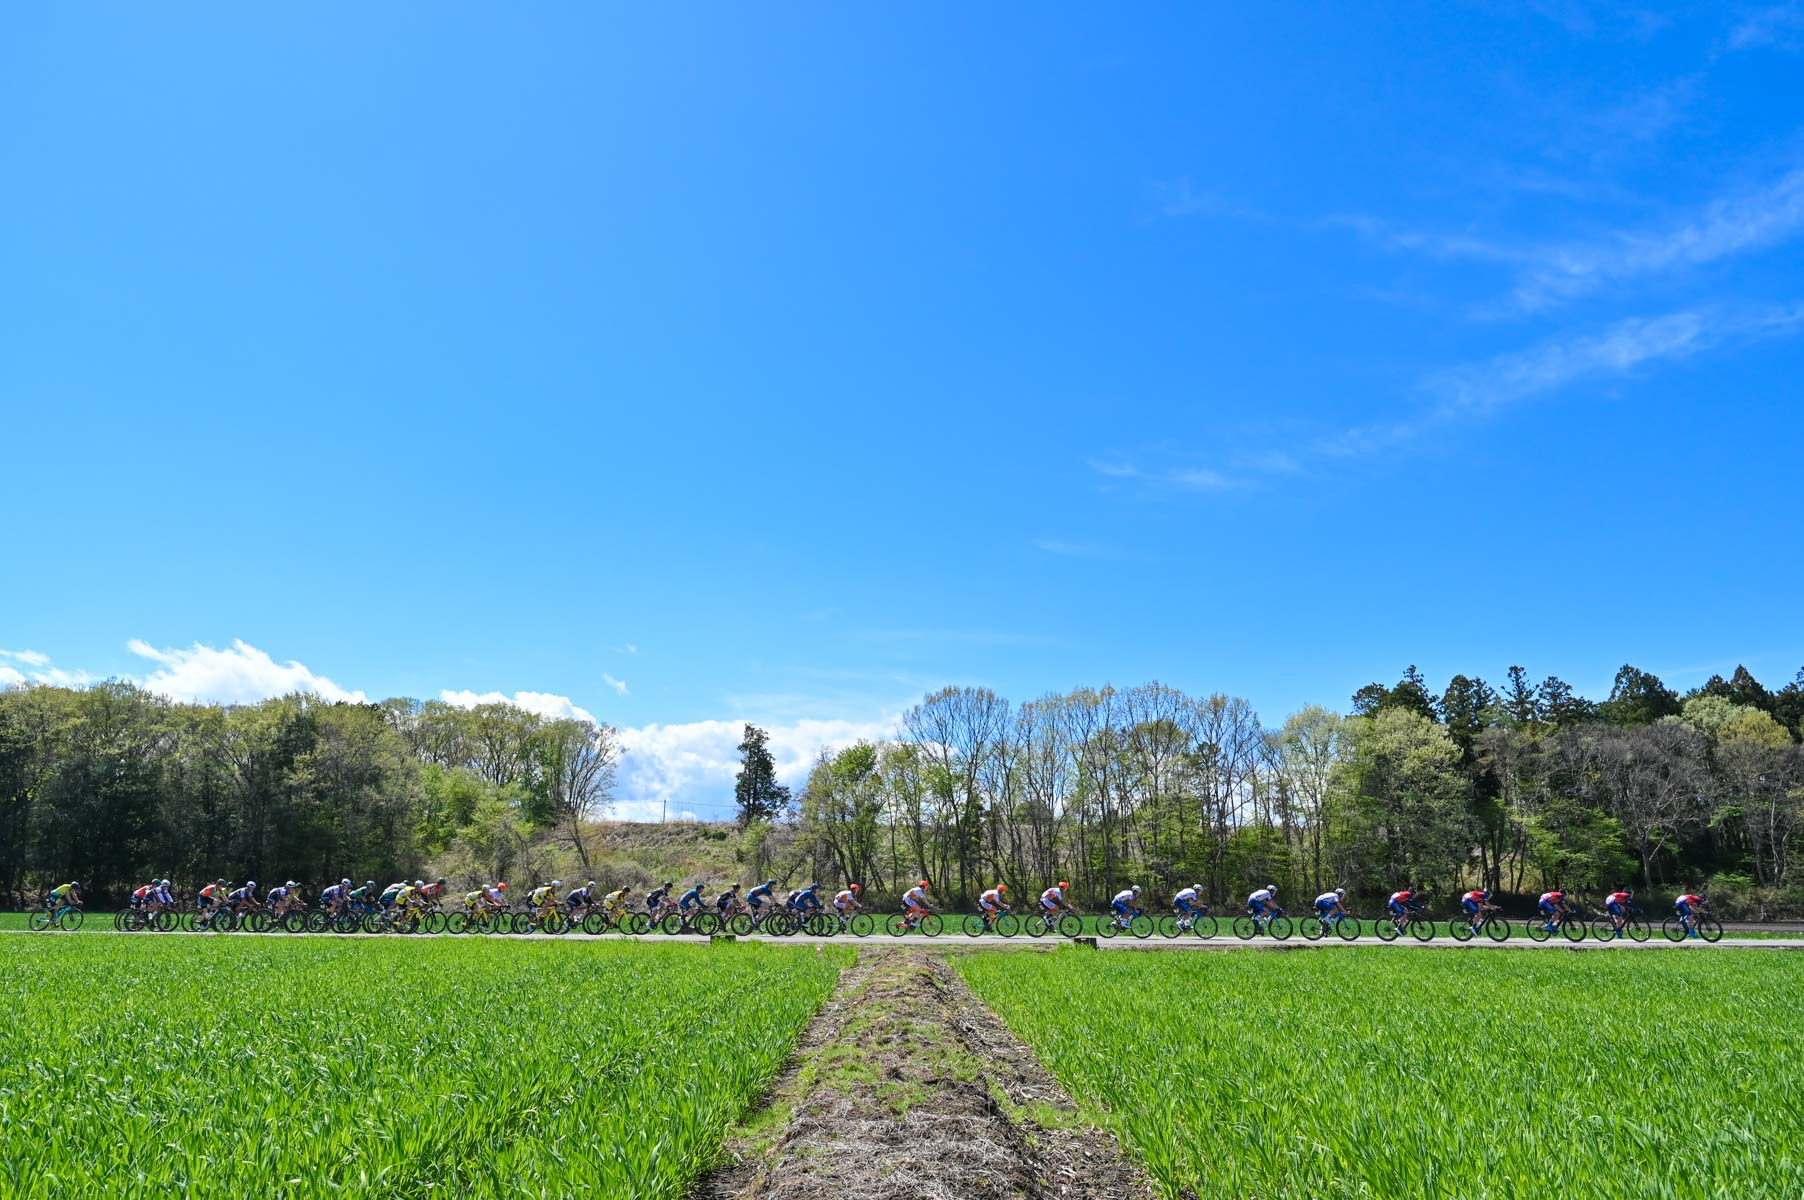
pixel 441 881
pixel 1341 892
pixel 250 883
pixel 557 883
pixel 501 887
pixel 670 883
pixel 1135 889
pixel 591 882
pixel 813 887
pixel 923 883
pixel 1001 887
pixel 1628 891
pixel 165 883
pixel 1271 887
pixel 369 883
pixel 290 883
pixel 1196 887
pixel 1063 886
pixel 220 882
pixel 419 883
pixel 767 883
pixel 852 887
pixel 344 883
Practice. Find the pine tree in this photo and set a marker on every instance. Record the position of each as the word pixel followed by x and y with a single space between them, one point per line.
pixel 1521 703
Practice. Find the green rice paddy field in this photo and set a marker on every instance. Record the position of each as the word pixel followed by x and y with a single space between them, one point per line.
pixel 243 1066
pixel 1364 1073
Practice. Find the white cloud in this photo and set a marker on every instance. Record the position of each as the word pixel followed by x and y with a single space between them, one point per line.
pixel 1069 549
pixel 692 765
pixel 546 704
pixel 1195 479
pixel 629 648
pixel 240 675
pixel 619 685
pixel 9 677
pixel 31 658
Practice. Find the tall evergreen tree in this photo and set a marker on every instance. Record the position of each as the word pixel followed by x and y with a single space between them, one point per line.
pixel 1521 703
pixel 757 793
pixel 1638 698
pixel 1560 705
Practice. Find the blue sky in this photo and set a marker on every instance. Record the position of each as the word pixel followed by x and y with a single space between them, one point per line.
pixel 786 362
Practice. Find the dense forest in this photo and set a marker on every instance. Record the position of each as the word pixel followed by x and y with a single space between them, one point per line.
pixel 1519 786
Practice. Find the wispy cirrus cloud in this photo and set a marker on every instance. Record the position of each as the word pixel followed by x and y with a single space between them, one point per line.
pixel 31 658
pixel 1187 478
pixel 1780 27
pixel 1552 273
pixel 619 685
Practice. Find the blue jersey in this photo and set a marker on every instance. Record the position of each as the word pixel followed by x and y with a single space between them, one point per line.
pixel 335 892
pixel 806 898
pixel 759 894
pixel 691 898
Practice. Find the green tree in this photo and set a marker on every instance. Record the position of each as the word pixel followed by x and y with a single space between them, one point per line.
pixel 1638 698
pixel 756 792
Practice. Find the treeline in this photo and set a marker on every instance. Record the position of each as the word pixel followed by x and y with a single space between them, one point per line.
pixel 1520 787
pixel 110 783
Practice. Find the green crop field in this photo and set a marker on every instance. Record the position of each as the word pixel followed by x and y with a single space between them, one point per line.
pixel 246 1066
pixel 1476 1076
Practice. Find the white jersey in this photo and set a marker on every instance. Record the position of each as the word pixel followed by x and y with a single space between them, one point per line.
pixel 1126 897
pixel 1187 896
pixel 1262 896
pixel 1326 900
pixel 1052 895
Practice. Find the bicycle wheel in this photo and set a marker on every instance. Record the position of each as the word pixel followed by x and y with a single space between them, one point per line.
pixel 1461 931
pixel 1168 927
pixel 671 924
pixel 1205 928
pixel 975 925
pixel 224 922
pixel 556 923
pixel 1007 925
pixel 1710 929
pixel 1070 926
pixel 372 923
pixel 294 922
pixel 1573 929
pixel 1537 929
pixel 1497 929
pixel 1638 930
pixel 1672 929
pixel 1108 927
pixel 1604 930
pixel 187 922
pixel 1386 929
pixel 122 917
pixel 1035 926
pixel 1245 928
pixel 896 925
pixel 863 925
pixel 1279 928
pixel 594 923
pixel 1311 928
pixel 40 920
pixel 1142 926
pixel 741 924
pixel 707 924
pixel 1422 931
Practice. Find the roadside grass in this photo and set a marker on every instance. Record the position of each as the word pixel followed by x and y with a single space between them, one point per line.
pixel 1483 1077
pixel 268 1066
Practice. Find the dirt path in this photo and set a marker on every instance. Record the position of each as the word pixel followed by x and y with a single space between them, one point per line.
pixel 905 1087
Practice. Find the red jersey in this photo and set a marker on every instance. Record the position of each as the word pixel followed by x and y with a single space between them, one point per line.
pixel 1552 897
pixel 1617 898
pixel 142 892
pixel 210 891
pixel 431 890
pixel 1690 899
pixel 1401 897
pixel 1477 897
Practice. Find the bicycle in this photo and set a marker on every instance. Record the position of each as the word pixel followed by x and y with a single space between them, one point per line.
pixel 700 921
pixel 928 924
pixel 1342 925
pixel 1001 923
pixel 1488 923
pixel 858 924
pixel 1569 925
pixel 67 918
pixel 1708 928
pixel 1138 924
pixel 1414 922
pixel 1198 921
pixel 1605 928
pixel 1251 925
pixel 1067 923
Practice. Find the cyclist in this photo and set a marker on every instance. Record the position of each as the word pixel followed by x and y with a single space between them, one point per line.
pixel 760 895
pixel 1126 905
pixel 1477 904
pixel 365 896
pixel 63 898
pixel 1263 904
pixel 492 898
pixel 1690 906
pixel 615 902
pixel 914 903
pixel 1189 905
pixel 845 903
pixel 1329 907
pixel 544 895
pixel 657 898
pixel 727 903
pixel 434 891
pixel 581 898
pixel 211 896
pixel 335 898
pixel 1617 905
pixel 993 904
pixel 1553 906
pixel 392 893
pixel 691 902
pixel 1398 906
pixel 146 894
pixel 806 901
pixel 283 898
pixel 245 898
